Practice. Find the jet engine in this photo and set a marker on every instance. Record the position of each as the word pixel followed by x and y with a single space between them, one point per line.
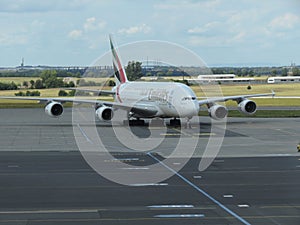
pixel 54 109
pixel 104 113
pixel 218 112
pixel 247 107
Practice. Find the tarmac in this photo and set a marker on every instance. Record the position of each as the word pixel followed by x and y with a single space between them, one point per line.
pixel 45 179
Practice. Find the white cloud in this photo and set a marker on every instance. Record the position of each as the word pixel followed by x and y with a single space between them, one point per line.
pixel 13 39
pixel 187 5
pixel 88 29
pixel 91 24
pixel 27 6
pixel 286 21
pixel 206 28
pixel 75 34
pixel 143 28
pixel 238 37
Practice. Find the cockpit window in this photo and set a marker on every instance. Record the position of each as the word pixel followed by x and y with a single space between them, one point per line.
pixel 188 98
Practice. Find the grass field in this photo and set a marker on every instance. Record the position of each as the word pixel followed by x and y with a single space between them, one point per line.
pixel 281 90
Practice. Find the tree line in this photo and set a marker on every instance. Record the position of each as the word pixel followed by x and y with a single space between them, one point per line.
pixel 48 79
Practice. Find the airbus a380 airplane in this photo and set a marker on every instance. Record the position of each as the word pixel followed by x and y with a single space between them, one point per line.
pixel 150 99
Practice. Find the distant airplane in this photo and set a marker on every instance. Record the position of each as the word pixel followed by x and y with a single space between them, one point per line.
pixel 149 100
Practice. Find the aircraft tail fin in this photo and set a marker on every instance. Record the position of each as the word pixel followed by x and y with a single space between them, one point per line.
pixel 120 74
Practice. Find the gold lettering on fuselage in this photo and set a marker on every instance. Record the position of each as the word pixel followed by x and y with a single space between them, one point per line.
pixel 159 95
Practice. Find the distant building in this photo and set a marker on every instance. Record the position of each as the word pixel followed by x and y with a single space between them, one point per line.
pixel 288 79
pixel 220 78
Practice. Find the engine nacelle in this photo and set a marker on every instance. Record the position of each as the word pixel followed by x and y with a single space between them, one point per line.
pixel 218 112
pixel 104 113
pixel 247 107
pixel 54 109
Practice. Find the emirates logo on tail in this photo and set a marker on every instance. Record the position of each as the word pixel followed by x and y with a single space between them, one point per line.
pixel 120 73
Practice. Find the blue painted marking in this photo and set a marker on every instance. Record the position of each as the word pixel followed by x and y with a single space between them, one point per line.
pixel 200 190
pixel 84 134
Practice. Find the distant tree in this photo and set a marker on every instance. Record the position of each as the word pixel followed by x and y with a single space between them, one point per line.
pixel 274 72
pixel 39 84
pixel 251 73
pixel 31 83
pixel 12 86
pixel 25 84
pixel 20 93
pixel 296 71
pixel 72 93
pixel 284 72
pixel 134 70
pixel 33 93
pixel 28 93
pixel 48 74
pixel 62 93
pixel 71 84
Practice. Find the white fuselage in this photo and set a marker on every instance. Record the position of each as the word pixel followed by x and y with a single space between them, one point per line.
pixel 170 99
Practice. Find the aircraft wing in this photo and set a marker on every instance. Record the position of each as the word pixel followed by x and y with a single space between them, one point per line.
pixel 237 98
pixel 99 92
pixel 139 108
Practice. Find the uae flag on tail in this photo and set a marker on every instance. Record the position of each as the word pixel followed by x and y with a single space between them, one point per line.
pixel 119 70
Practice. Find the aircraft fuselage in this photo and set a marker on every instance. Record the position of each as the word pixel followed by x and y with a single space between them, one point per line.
pixel 171 99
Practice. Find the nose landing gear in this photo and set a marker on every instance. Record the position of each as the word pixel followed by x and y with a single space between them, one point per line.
pixel 188 124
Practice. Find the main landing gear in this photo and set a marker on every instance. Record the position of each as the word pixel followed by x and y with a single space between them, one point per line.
pixel 175 122
pixel 135 122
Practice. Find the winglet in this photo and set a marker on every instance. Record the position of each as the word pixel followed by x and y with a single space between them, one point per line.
pixel 120 74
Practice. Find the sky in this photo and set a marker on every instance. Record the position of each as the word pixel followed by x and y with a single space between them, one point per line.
pixel 221 32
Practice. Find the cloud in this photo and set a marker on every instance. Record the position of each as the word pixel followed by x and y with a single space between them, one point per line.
pixel 143 28
pixel 88 29
pixel 187 5
pixel 22 6
pixel 75 34
pixel 286 21
pixel 91 24
pixel 13 39
pixel 204 29
pixel 238 37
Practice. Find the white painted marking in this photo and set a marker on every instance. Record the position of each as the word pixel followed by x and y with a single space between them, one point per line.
pixel 298 166
pixel 197 177
pixel 135 168
pixel 228 196
pixel 12 166
pixel 176 163
pixel 150 184
pixel 277 155
pixel 170 134
pixel 171 206
pixel 126 159
pixel 243 206
pixel 219 160
pixel 200 190
pixel 180 216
